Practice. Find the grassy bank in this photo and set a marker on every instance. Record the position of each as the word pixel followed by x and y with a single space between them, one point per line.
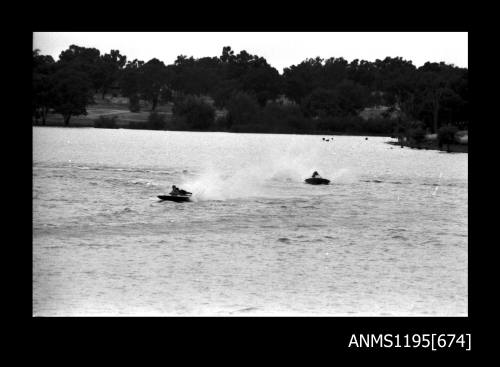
pixel 112 115
pixel 124 119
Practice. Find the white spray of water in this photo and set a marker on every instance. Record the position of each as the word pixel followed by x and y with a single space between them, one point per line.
pixel 252 172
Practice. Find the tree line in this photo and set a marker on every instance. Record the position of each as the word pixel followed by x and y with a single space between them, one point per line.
pixel 316 95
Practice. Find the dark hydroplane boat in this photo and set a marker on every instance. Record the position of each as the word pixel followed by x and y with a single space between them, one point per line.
pixel 177 195
pixel 176 198
pixel 317 180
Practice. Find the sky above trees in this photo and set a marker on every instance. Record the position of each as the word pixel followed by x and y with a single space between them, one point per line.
pixel 280 49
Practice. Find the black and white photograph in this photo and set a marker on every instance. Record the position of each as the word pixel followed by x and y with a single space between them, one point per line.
pixel 250 174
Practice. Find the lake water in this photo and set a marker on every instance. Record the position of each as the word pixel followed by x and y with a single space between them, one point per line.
pixel 388 236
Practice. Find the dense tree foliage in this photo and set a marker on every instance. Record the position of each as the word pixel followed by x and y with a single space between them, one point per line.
pixel 195 77
pixel 130 85
pixel 86 61
pixel 243 112
pixel 446 135
pixel 284 118
pixel 443 95
pixel 72 93
pixel 156 121
pixel 110 66
pixel 149 81
pixel 194 112
pixel 316 94
pixel 43 89
pixel 153 82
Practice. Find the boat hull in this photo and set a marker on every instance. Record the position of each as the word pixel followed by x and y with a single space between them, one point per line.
pixel 317 181
pixel 174 198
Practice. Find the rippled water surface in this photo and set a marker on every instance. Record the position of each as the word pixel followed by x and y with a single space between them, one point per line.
pixel 388 236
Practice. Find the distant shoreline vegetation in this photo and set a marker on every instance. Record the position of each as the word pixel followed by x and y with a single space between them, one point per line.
pixel 243 93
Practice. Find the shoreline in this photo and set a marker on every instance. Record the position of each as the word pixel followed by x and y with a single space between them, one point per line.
pixel 432 145
pixel 319 133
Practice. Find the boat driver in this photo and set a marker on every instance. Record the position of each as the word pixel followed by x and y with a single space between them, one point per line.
pixel 175 191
